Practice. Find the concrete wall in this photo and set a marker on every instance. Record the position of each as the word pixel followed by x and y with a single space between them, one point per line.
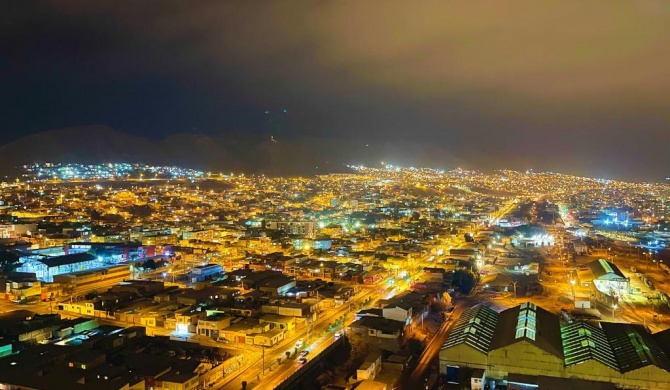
pixel 649 377
pixel 462 355
pixel 79 307
pixel 591 370
pixel 524 358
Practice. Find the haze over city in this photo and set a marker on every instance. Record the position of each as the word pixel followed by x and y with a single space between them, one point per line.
pixel 551 86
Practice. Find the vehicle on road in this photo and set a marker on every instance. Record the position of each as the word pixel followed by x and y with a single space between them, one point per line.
pixel 304 353
pixel 299 343
pixel 29 301
pixel 302 360
pixel 338 334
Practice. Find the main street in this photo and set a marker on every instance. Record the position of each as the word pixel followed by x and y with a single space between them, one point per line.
pixel 428 357
pixel 320 338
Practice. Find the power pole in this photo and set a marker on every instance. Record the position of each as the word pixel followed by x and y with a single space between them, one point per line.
pixel 514 283
pixel 263 370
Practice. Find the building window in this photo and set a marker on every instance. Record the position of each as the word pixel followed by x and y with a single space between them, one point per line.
pixel 520 332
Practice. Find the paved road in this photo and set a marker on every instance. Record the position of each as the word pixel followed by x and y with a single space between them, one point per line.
pixel 318 342
pixel 431 353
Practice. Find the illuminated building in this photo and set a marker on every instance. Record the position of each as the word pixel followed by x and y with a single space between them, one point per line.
pixel 45 268
pixel 112 253
pixel 527 347
pixel 307 228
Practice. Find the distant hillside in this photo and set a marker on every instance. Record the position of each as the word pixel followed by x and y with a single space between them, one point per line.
pixel 237 153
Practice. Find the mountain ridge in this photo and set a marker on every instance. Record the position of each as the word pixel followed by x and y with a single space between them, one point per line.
pixel 306 155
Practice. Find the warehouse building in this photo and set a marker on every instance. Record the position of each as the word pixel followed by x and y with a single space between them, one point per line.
pixel 45 268
pixel 526 347
pixel 608 279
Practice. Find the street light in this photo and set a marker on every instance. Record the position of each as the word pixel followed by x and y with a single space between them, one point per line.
pixel 263 348
pixel 613 309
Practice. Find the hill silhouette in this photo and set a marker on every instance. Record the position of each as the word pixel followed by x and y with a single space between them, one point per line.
pixel 237 153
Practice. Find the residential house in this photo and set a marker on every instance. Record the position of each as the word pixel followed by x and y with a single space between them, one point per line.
pixel 378 332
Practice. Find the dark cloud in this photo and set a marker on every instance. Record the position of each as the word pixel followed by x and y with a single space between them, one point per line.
pixel 553 85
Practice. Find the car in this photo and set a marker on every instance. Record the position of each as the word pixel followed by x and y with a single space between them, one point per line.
pixel 299 343
pixel 304 353
pixel 338 334
pixel 302 360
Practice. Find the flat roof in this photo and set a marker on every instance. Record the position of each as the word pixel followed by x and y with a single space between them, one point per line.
pixel 66 259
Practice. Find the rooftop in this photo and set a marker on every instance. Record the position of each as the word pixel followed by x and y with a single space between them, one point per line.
pixel 66 259
pixel 475 327
pixel 600 268
pixel 530 323
pixel 583 342
pixel 634 347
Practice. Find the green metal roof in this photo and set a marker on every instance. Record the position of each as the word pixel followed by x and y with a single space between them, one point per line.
pixel 475 328
pixel 583 342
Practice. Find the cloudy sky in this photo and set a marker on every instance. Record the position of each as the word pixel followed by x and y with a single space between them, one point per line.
pixel 579 86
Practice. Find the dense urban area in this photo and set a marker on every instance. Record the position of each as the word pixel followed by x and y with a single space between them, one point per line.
pixel 127 276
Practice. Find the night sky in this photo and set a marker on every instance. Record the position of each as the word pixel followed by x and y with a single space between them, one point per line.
pixel 567 86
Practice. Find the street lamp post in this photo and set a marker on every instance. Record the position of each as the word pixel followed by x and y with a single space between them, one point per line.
pixel 613 309
pixel 263 358
pixel 514 283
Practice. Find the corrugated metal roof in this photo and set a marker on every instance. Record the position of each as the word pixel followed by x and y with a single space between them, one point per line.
pixel 475 327
pixel 531 323
pixel 600 268
pixel 634 347
pixel 583 342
